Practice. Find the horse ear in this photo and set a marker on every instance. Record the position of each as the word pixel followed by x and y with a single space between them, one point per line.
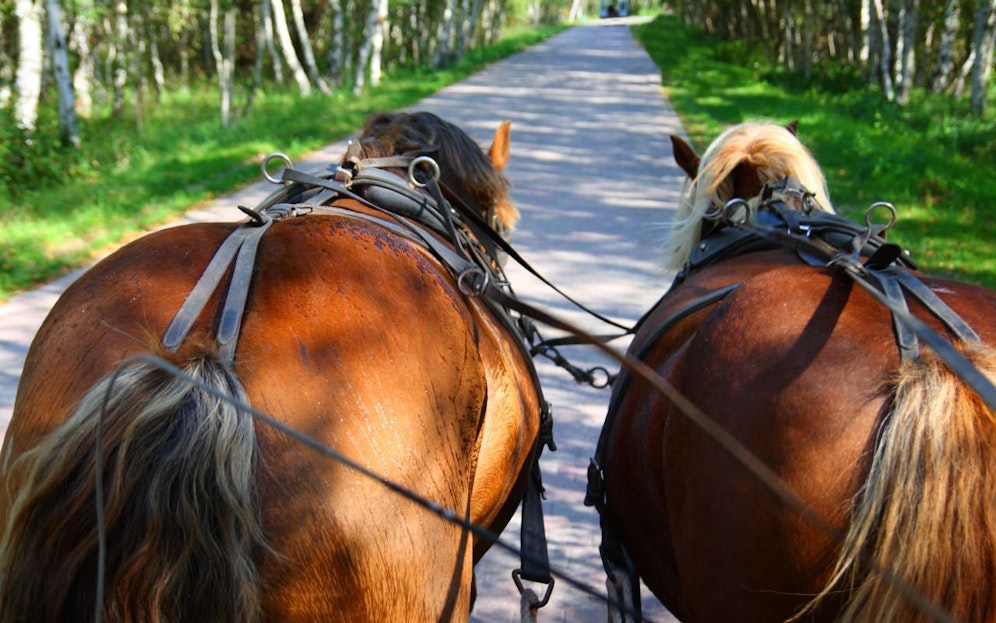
pixel 792 126
pixel 685 156
pixel 499 148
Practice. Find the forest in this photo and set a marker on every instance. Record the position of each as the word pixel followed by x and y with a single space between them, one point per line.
pixel 941 46
pixel 93 57
pixel 96 57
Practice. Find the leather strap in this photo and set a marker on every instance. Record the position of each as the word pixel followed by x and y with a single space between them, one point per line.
pixel 205 287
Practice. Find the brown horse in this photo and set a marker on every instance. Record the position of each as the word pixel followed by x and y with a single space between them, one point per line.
pixel 355 332
pixel 801 366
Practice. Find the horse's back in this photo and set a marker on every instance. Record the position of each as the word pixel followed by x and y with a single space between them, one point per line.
pixel 797 363
pixel 353 336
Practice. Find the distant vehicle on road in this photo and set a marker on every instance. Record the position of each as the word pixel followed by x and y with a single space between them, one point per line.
pixel 613 8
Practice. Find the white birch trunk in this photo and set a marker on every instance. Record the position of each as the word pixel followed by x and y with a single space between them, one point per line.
pixel 337 48
pixel 28 79
pixel 266 32
pixel 983 44
pixel 864 52
pixel 907 51
pixel 884 45
pixel 366 47
pixel 944 68
pixel 184 50
pixel 307 52
pixel 85 76
pixel 444 36
pixel 377 42
pixel 120 65
pixel 69 131
pixel 223 52
pixel 287 47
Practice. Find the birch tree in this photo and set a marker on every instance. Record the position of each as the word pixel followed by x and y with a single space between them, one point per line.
pixel 907 50
pixel 944 66
pixel 337 47
pixel 307 53
pixel 119 61
pixel 287 47
pixel 28 79
pixel 983 44
pixel 380 27
pixel 85 77
pixel 68 128
pixel 223 50
pixel 366 47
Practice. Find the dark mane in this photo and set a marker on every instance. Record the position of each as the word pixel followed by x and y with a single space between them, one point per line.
pixel 462 161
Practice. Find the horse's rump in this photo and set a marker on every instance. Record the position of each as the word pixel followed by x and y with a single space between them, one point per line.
pixel 769 331
pixel 354 333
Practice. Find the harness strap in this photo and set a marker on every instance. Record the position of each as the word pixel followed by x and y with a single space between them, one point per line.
pixel 205 287
pixel 909 349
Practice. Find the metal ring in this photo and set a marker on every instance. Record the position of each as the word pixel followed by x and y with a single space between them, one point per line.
pixel 277 155
pixel 474 287
pixel 736 212
pixel 433 170
pixel 517 578
pixel 881 204
pixel 599 384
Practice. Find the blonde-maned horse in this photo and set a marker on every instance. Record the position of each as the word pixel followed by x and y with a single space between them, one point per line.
pixel 802 367
pixel 360 328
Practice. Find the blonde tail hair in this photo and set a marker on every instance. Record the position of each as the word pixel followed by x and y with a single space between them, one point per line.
pixel 180 514
pixel 927 513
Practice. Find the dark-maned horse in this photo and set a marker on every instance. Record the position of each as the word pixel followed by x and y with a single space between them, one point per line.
pixel 355 332
pixel 801 366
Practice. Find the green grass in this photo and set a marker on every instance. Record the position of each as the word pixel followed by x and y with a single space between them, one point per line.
pixel 59 208
pixel 932 159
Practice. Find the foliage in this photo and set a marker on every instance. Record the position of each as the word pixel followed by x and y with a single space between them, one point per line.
pixel 59 208
pixel 931 158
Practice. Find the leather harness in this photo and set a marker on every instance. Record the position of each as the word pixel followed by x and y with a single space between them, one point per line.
pixel 471 248
pixel 820 239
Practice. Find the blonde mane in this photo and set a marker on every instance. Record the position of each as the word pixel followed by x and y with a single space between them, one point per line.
pixel 770 149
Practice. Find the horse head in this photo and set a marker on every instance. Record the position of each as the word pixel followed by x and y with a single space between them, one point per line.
pixel 737 165
pixel 466 173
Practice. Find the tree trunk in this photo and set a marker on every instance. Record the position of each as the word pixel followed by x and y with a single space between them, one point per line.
pixel 119 60
pixel 28 79
pixel 337 48
pixel 907 51
pixel 377 42
pixel 366 48
pixel 884 49
pixel 223 53
pixel 944 67
pixel 307 52
pixel 983 44
pixel 266 43
pixel 868 38
pixel 85 75
pixel 287 47
pixel 444 35
pixel 69 132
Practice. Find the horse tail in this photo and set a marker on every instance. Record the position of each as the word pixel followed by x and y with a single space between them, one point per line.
pixel 179 510
pixel 922 540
